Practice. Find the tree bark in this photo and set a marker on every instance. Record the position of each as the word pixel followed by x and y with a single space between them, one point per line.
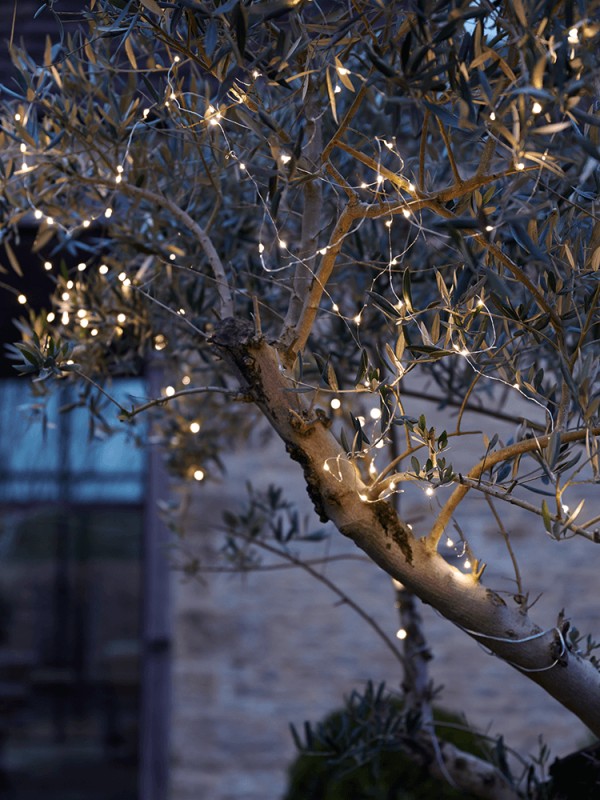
pixel 375 527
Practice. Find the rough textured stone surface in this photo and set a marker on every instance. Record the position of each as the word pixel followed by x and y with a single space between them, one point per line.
pixel 255 652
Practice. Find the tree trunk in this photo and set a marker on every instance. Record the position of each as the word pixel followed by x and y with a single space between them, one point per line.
pixel 336 490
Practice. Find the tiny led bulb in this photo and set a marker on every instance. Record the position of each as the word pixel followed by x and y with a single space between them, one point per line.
pixel 47 266
pixel 169 391
pixel 198 474
pixel 449 542
pixel 406 213
pixel 194 427
pixel 22 299
pixel 121 318
pixel 401 634
pixel 536 107
pixel 467 564
pixel 38 214
pixel 429 491
pixel 336 403
pixel 50 317
pixel 102 269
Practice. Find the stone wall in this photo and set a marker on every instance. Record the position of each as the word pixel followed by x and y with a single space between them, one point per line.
pixel 255 652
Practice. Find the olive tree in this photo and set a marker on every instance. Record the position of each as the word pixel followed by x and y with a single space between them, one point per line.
pixel 324 213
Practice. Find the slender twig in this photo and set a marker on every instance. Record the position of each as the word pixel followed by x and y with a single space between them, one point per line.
pixel 451 159
pixel 161 401
pixel 216 265
pixel 491 459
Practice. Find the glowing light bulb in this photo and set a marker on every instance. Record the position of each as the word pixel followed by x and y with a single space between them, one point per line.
pixel 565 508
pixel 84 322
pixel 285 158
pixel 108 213
pixel 47 266
pixel 519 165
pixel 326 467
pixel 323 250
pixel 122 276
pixel 429 491
pixel 401 633
pixel 536 107
pixel 81 313
pixel 169 391
pixel 21 299
pixel 65 296
pixel 375 413
pixel 242 166
pixel 160 342
pixel 489 228
pixel 186 380
pixel 194 427
pixel 336 403
pixel 49 220
pixel 283 244
pixel 81 267
pixel 516 386
pixel 335 308
pixel 17 118
pixel 38 214
pixel 261 247
pixel 50 316
pixel 380 178
pixel 372 469
pixel 493 115
pixel 449 542
pixel 23 148
pixel 86 223
pixel 94 332
pixel 467 564
pixel 573 37
pixel 198 475
pixel 357 319
pixel 121 318
pixel 388 223
pixel 337 89
pixel 145 112
pixel 102 269
pixel 64 318
pixel 176 60
pixel 363 497
pixel 70 284
pixel 406 213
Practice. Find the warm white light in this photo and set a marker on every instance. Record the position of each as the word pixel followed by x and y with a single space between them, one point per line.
pixel 122 276
pixel 169 391
pixel 363 497
pixel 282 244
pixel 38 214
pixel 565 508
pixel 406 212
pixel 186 380
pixel 82 313
pixel 389 223
pixel 536 107
pixel 261 247
pixel 64 318
pixel 177 59
pixel 17 117
pixel 120 169
pixel 379 444
pixel 336 403
pixel 242 166
pixel 65 296
pixel 198 475
pixel 493 116
pixel 126 282
pixel 121 318
pixel 573 36
pixel 81 267
pixel 401 634
pixel 84 322
pixel 516 386
pixel 285 158
pixel 357 319
pixel 86 223
pixel 411 186
pixel 47 266
pixel 323 250
pixel 364 185
pixel 467 564
pixel 50 317
pixel 102 269
pixel 326 467
pixel 23 148
pixel 429 491
pixel 49 220
pixel 118 178
pixel 449 542
pixel 337 89
pixel 160 342
pixel 145 112
pixel 108 213
pixel 343 71
pixel 519 165
pixel 70 284
pixel 194 427
pixel 489 228
pixel 21 299
pixel 172 257
pixel 380 179
pixel 94 331
pixel 375 413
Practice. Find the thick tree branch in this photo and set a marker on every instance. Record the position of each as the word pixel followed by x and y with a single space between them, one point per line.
pixel 542 655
